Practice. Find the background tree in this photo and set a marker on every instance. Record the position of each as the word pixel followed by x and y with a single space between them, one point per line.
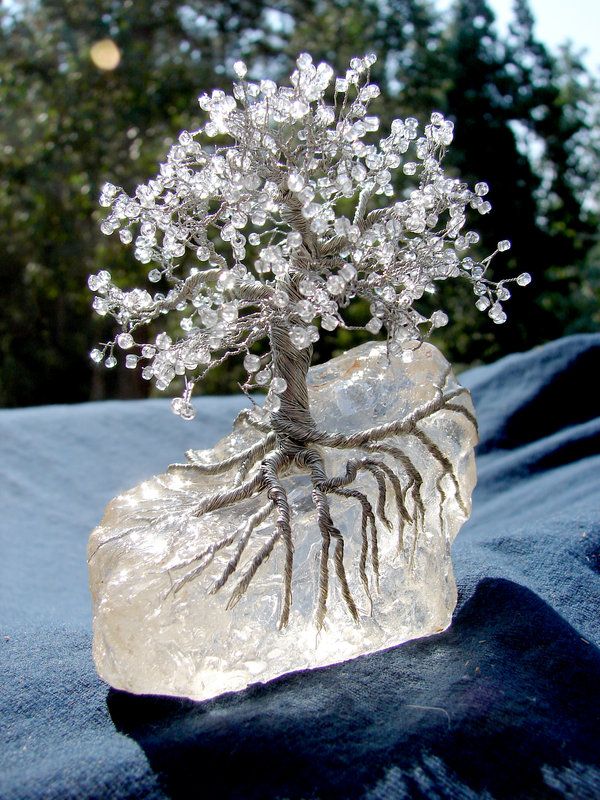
pixel 68 125
pixel 480 87
pixel 554 103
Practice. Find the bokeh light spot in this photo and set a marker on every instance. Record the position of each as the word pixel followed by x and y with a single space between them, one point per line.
pixel 105 54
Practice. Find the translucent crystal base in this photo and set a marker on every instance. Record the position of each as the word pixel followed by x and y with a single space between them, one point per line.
pixel 159 630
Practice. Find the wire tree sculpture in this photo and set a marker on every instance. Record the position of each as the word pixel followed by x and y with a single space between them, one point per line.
pixel 274 260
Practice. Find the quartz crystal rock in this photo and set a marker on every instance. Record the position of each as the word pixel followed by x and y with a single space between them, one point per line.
pixel 158 629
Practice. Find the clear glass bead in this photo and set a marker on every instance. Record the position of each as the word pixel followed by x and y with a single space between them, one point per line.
pixel 240 69
pixel 313 333
pixel 415 223
pixel 202 355
pixel 183 408
pixel 335 285
pixel 125 341
pixel 187 323
pixel 495 310
pixel 251 363
pixel 307 287
pixel 306 310
pixel 374 325
pixel 229 312
pixel 348 272
pixel 299 109
pixel 304 61
pixel 294 240
pixel 299 337
pixel 100 306
pixel 524 279
pixel 163 341
pixel 131 361
pixel 110 362
pixel 377 309
pixel 278 385
pixel 263 377
pixel 503 245
pixel 280 298
pixel 319 225
pixel 295 181
pixel 268 88
pixel 272 404
pixel 209 317
pixel 227 279
pixel 96 355
pixel 359 172
pixel 438 319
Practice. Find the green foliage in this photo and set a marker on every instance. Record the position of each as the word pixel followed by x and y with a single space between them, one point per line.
pixel 526 123
pixel 68 127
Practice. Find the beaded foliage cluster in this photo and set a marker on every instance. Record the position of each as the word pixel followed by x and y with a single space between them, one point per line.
pixel 247 222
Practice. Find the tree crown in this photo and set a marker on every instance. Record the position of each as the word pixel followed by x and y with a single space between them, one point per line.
pixel 260 195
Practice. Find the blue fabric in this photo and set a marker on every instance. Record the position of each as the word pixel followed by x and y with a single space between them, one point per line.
pixel 505 704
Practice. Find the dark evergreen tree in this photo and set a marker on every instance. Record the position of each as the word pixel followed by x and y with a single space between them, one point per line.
pixel 516 126
pixel 480 97
pixel 69 127
pixel 525 123
pixel 553 102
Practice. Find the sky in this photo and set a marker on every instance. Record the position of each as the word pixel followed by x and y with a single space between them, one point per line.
pixel 557 21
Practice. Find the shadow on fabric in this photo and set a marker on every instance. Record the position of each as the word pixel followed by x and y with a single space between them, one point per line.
pixel 505 704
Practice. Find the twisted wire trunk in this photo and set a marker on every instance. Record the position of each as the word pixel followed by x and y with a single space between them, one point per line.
pixel 293 422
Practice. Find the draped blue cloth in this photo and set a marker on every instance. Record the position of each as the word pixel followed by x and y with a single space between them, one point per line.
pixel 505 704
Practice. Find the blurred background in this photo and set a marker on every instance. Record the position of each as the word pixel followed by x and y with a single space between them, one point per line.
pixel 97 91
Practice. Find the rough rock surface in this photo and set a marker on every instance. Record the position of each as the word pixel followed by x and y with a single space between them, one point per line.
pixel 159 630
